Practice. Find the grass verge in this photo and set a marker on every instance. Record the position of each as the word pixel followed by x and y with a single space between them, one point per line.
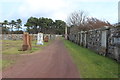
pixel 90 64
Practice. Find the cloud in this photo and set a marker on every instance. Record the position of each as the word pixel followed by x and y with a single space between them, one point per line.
pixel 43 7
pixel 55 9
pixel 10 1
pixel 0 13
pixel 95 0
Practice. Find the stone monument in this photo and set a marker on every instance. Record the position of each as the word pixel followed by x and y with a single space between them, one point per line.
pixel 26 42
pixel 40 39
pixel 46 39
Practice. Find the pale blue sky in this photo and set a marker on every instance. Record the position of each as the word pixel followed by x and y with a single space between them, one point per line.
pixel 58 9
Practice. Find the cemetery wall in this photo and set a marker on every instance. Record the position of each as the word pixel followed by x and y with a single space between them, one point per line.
pixel 104 41
pixel 20 36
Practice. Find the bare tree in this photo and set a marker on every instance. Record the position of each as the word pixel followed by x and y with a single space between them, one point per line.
pixel 79 21
pixel 96 23
pixel 77 18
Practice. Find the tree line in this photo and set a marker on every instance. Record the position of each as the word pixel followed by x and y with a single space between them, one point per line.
pixel 77 21
pixel 34 25
pixel 45 25
pixel 7 27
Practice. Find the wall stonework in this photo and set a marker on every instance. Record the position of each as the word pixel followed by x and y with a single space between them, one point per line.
pixel 105 41
pixel 20 36
pixel 11 36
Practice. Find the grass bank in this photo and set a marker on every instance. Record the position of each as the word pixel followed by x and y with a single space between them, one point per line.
pixel 90 64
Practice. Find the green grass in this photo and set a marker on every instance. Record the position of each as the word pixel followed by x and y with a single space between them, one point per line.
pixel 11 51
pixel 12 47
pixel 90 64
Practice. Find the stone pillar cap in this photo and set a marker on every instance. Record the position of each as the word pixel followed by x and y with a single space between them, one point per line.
pixel 82 31
pixel 107 27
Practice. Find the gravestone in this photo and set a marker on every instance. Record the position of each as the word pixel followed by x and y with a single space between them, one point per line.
pixel 26 42
pixel 29 38
pixel 46 39
pixel 40 39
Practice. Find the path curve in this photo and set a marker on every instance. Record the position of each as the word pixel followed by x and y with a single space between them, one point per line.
pixel 53 61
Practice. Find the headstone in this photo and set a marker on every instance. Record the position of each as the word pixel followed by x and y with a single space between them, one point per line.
pixel 24 46
pixel 46 39
pixel 26 42
pixel 40 39
pixel 29 38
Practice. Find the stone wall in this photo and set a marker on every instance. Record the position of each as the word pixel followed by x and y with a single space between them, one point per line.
pixel 20 36
pixel 104 41
pixel 11 36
